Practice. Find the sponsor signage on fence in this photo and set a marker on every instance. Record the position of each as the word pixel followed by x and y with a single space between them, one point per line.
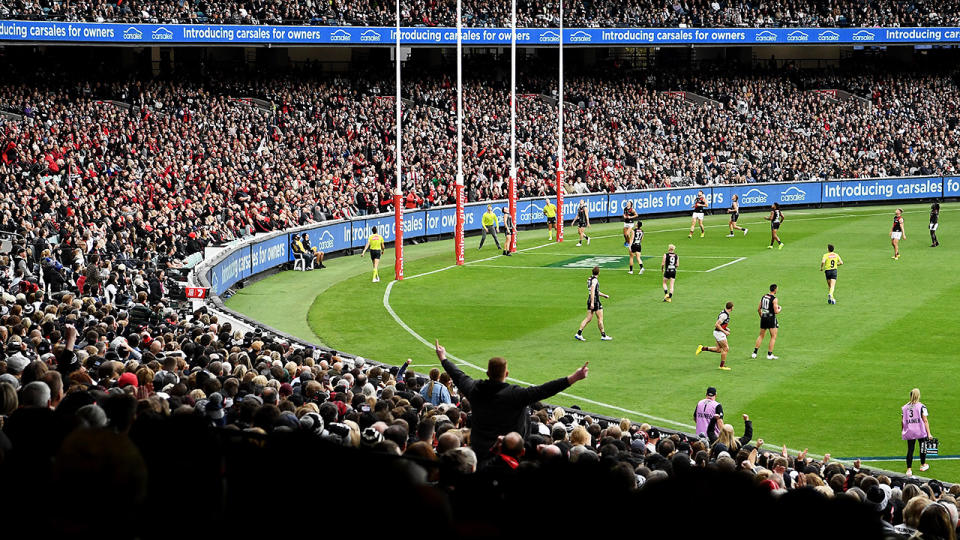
pixel 166 34
pixel 261 255
pixel 887 189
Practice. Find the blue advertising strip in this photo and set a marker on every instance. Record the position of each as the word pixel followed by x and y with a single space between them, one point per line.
pixel 330 238
pixel 751 196
pixel 441 220
pixel 951 186
pixel 530 212
pixel 655 202
pixel 161 34
pixel 233 268
pixel 887 189
pixel 269 253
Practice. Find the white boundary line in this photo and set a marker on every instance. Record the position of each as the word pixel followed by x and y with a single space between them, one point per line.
pixel 562 254
pixel 572 267
pixel 726 264
pixel 418 337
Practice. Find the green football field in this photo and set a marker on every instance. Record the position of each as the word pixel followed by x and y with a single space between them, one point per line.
pixel 843 373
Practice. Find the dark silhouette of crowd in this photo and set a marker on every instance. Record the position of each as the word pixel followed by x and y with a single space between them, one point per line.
pixel 487 13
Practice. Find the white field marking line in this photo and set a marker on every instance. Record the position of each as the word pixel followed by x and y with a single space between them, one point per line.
pixel 564 267
pixel 386 304
pixel 835 216
pixel 726 264
pixel 461 362
pixel 561 254
pixel 901 458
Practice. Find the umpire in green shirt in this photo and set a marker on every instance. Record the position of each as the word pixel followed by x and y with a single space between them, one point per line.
pixel 490 225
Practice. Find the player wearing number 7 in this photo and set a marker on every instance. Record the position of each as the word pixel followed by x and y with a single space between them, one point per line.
pixel 828 265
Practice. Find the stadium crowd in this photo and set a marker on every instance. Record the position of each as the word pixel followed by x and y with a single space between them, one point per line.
pixel 111 391
pixel 488 13
pixel 115 397
pixel 194 156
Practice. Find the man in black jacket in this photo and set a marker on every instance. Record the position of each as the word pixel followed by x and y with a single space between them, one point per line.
pixel 499 407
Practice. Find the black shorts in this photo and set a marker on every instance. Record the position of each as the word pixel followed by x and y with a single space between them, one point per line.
pixel 830 274
pixel 734 216
pixel 769 323
pixel 375 254
pixel 552 220
pixel 634 248
pixel 669 274
pixel 596 306
pixel 774 225
pixel 579 224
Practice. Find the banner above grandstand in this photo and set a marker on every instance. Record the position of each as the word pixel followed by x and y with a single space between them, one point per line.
pixel 166 34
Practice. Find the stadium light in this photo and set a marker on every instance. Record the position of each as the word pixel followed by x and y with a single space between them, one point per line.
pixel 398 194
pixel 560 138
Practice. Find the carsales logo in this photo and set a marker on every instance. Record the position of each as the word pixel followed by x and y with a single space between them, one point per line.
pixel 325 242
pixel 793 194
pixel 754 196
pixel 580 37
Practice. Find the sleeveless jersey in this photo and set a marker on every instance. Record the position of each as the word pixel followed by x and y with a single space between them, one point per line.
pixel 896 224
pixel 704 413
pixel 700 204
pixel 637 237
pixel 508 223
pixel 582 215
pixel 590 281
pixel 723 319
pixel 671 263
pixel 777 216
pixel 934 216
pixel 913 427
pixel 629 215
pixel 766 305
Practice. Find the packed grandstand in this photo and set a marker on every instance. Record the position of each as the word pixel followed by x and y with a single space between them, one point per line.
pixel 114 388
pixel 487 13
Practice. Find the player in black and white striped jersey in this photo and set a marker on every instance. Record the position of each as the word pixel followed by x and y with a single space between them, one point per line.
pixel 635 247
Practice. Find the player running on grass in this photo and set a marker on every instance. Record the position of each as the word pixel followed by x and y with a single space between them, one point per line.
pixel 550 211
pixel 635 240
pixel 720 333
pixel 775 218
pixel 668 266
pixel 582 221
pixel 594 307
pixel 699 207
pixel 375 245
pixel 934 224
pixel 768 309
pixel 734 212
pixel 897 233
pixel 828 265
pixel 629 216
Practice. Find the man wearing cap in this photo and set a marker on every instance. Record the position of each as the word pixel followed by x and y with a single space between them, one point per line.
pixel 498 406
pixel 705 411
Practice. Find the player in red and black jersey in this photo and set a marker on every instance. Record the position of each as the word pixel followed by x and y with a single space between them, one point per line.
pixel 897 233
pixel 720 333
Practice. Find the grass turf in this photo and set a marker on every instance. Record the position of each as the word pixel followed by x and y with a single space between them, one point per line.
pixel 843 373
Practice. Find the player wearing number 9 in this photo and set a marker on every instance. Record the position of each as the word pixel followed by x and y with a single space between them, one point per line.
pixel 828 265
